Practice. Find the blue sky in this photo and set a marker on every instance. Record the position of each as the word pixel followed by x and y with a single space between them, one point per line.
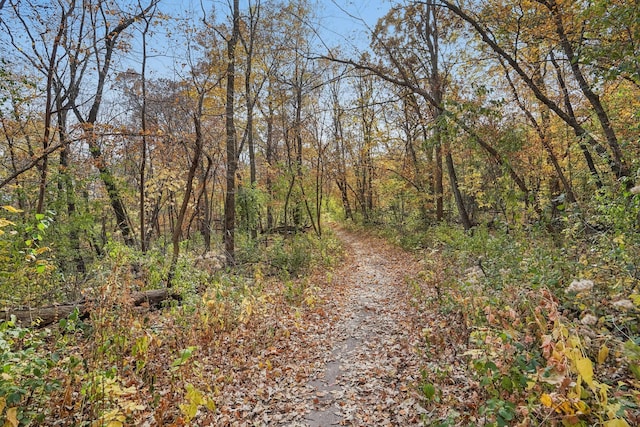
pixel 340 22
pixel 347 21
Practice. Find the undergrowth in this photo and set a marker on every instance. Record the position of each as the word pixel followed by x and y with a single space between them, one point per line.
pixel 126 365
pixel 546 326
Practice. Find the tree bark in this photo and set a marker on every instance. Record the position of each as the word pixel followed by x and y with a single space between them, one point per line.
pixel 230 127
pixel 542 135
pixel 177 230
pixel 455 188
pixel 44 316
pixel 567 105
pixel 591 96
pixel 89 122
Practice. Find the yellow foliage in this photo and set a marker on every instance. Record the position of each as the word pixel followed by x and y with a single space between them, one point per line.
pixel 616 423
pixel 11 417
pixel 603 353
pixel 11 209
pixel 247 308
pixel 546 400
pixel 194 400
pixel 585 369
pixel 113 418
pixel 3 223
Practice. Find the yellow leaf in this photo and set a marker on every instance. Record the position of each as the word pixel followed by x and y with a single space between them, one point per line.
pixel 11 209
pixel 12 417
pixel 3 403
pixel 582 407
pixel 603 353
pixel 4 222
pixel 618 422
pixel 188 410
pixel 41 250
pixel 546 400
pixel 603 395
pixel 585 369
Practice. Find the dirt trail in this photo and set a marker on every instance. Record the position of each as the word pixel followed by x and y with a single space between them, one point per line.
pixel 369 376
pixel 351 358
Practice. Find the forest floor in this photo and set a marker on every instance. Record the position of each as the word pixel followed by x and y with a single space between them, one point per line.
pixel 359 344
pixel 379 337
pixel 353 359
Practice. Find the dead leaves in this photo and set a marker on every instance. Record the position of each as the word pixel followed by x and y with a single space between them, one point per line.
pixel 346 353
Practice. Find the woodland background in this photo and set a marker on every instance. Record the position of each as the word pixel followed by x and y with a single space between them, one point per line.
pixel 497 140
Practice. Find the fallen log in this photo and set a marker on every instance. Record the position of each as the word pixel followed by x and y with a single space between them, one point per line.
pixel 43 316
pixel 288 229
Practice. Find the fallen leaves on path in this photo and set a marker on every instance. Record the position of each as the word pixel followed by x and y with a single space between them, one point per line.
pixel 351 360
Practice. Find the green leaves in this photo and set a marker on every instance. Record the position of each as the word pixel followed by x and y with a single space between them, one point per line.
pixel 24 371
pixel 182 359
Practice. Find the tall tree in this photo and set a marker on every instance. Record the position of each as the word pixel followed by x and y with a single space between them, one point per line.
pixel 43 56
pixel 144 132
pixel 232 143
pixel 487 35
pixel 415 54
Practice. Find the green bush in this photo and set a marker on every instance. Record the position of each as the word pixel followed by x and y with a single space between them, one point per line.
pixel 24 384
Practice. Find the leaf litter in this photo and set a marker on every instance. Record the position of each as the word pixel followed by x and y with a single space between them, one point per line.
pixel 354 359
pixel 353 355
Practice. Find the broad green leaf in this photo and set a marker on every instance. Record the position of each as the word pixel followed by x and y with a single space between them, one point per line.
pixel 429 391
pixel 184 356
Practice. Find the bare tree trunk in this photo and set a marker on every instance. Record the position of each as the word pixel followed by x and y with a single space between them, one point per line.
pixel 177 231
pixel 68 189
pixel 232 155
pixel 269 158
pixel 438 187
pixel 569 108
pixel 143 149
pixel 89 123
pixel 542 134
pixel 593 98
pixel 203 203
pixel 51 71
pixel 618 167
pixel 455 188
